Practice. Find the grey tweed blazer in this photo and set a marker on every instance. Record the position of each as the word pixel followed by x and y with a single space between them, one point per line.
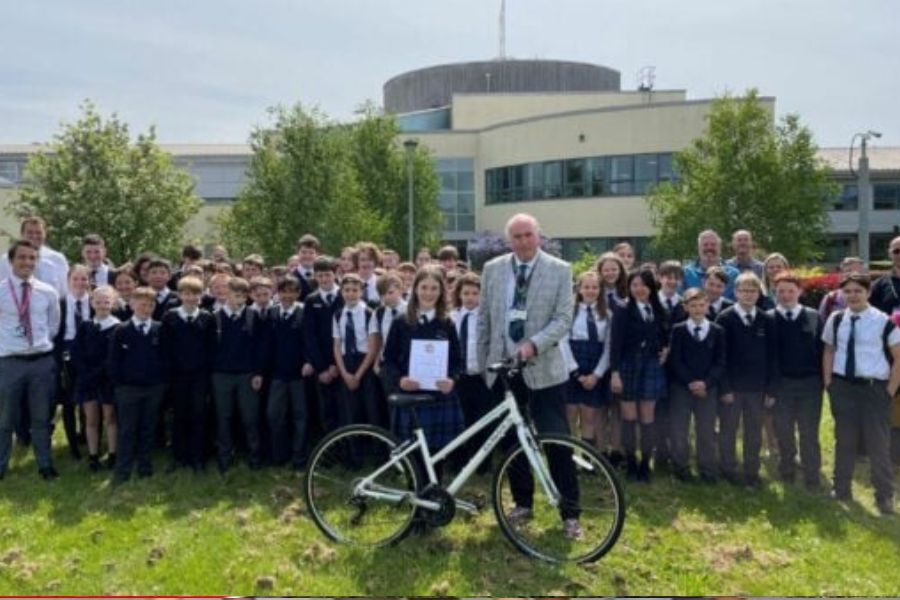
pixel 549 306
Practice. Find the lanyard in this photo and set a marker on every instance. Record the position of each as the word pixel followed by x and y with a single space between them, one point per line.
pixel 521 293
pixel 23 306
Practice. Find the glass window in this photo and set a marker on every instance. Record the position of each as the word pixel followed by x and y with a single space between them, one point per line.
pixel 886 196
pixel 9 171
pixel 574 178
pixel 645 167
pixel 666 167
pixel 621 175
pixel 466 223
pixel 447 201
pixel 445 164
pixel 536 180
pixel 553 179
pixel 466 204
pixel 465 181
pixel 595 176
pixel 517 180
pixel 449 222
pixel 490 186
pixel 448 181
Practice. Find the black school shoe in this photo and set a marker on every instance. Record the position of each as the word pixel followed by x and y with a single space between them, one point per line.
pixel 643 471
pixel 94 463
pixel 48 473
pixel 684 475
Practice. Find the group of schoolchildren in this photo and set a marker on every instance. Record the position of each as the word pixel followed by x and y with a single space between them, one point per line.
pixel 268 365
pixel 648 356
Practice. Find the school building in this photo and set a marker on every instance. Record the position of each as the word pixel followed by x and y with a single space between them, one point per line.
pixel 560 140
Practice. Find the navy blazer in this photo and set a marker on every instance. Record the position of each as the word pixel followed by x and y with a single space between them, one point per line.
pixel 317 323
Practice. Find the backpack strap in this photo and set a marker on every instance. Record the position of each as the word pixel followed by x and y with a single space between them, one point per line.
pixel 885 335
pixel 838 316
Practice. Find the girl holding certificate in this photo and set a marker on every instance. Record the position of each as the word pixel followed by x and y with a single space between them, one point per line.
pixel 426 319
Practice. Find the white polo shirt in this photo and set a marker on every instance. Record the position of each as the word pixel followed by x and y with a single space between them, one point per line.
pixel 867 341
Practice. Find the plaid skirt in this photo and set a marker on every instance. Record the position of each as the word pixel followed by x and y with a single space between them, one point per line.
pixel 643 378
pixel 441 421
pixel 587 354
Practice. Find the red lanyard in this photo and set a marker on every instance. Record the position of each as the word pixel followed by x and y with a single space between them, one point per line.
pixel 22 308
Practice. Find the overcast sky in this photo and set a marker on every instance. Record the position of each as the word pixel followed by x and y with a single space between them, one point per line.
pixel 206 70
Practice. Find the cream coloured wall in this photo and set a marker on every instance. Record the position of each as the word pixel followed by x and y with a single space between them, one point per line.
pixel 477 111
pixel 631 129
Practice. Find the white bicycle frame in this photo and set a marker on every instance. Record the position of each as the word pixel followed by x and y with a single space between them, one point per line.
pixel 508 410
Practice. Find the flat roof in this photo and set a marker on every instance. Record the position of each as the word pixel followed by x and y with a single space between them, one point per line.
pixel 881 158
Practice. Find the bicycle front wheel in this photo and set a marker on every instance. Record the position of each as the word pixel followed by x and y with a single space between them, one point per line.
pixel 590 493
pixel 337 465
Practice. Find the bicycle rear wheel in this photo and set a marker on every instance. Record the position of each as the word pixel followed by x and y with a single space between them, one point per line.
pixel 596 500
pixel 337 465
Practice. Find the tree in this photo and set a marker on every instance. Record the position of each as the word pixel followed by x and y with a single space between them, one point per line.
pixel 342 182
pixel 92 179
pixel 300 180
pixel 381 168
pixel 746 173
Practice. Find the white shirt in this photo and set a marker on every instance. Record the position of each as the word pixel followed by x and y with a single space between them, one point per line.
pixel 333 292
pixel 645 311
pixel 184 314
pixel 109 321
pixel 613 298
pixel 867 342
pixel 743 313
pixel 359 327
pixel 44 312
pixel 231 313
pixel 795 311
pixel 387 319
pixel 674 298
pixel 100 273
pixel 138 324
pixel 52 268
pixel 472 341
pixel 289 311
pixel 579 332
pixel 692 328
pixel 162 294
pixel 370 289
pixel 717 305
pixel 70 314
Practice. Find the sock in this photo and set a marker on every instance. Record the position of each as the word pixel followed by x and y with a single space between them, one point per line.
pixel 629 443
pixel 648 431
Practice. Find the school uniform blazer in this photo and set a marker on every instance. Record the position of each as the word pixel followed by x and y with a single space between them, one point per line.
pixel 318 339
pixel 59 339
pixel 631 334
pixel 399 342
pixel 752 364
pixel 550 306
pixel 687 364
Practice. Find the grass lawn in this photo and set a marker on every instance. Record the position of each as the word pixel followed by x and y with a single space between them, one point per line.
pixel 248 534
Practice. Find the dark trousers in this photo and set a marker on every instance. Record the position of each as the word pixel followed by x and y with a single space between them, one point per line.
pixel 798 408
pixel 190 394
pixel 362 405
pixel 233 392
pixel 865 408
pixel 288 417
pixel 746 409
pixel 65 394
pixel 34 381
pixel 137 412
pixel 327 405
pixel 547 408
pixel 476 399
pixel 682 405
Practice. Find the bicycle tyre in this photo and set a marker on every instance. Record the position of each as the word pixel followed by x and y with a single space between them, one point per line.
pixel 332 475
pixel 600 509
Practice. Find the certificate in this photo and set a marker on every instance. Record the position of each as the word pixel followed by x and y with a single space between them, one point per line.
pixel 428 361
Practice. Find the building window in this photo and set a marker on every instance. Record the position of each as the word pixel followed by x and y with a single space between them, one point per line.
pixel 457 196
pixel 9 170
pixel 592 177
pixel 846 199
pixel 886 196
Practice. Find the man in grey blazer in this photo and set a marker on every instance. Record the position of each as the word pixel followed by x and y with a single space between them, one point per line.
pixel 526 309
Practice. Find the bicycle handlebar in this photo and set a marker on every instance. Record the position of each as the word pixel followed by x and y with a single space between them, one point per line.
pixel 508 367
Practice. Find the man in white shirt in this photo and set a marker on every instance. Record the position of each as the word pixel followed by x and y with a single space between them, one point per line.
pixel 52 267
pixel 861 382
pixel 29 320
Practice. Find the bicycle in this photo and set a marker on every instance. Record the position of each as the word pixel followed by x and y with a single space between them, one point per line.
pixel 378 505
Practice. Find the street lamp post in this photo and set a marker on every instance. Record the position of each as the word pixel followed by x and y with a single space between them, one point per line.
pixel 410 146
pixel 864 193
